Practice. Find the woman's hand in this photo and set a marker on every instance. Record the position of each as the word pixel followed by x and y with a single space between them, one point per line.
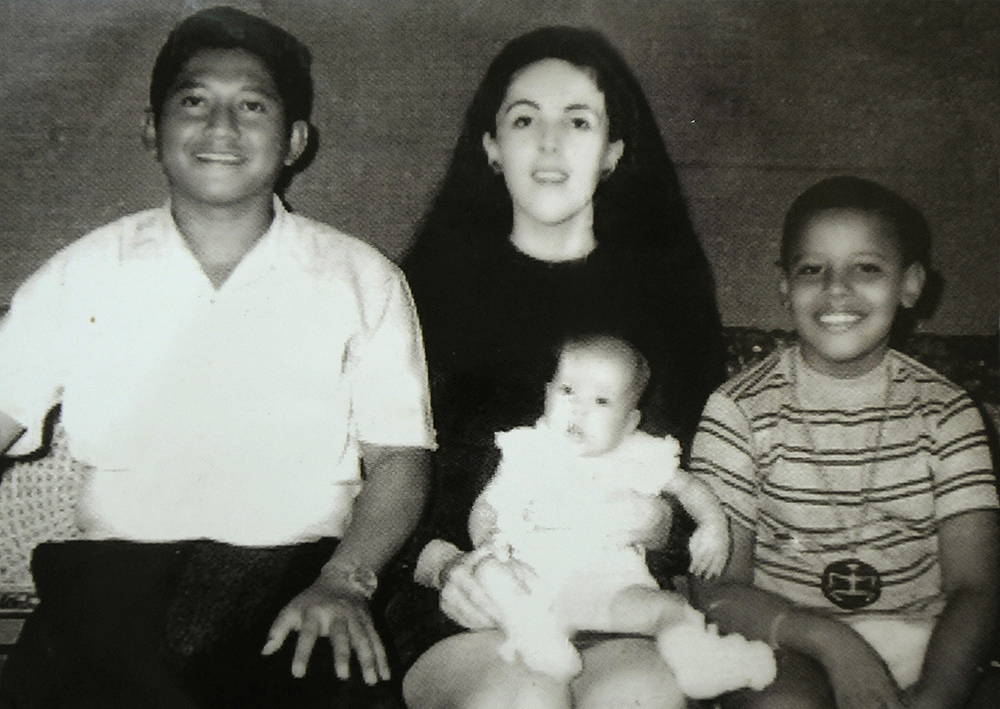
pixel 330 608
pixel 466 599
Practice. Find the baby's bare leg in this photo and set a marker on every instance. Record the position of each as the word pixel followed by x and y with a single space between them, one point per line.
pixel 647 610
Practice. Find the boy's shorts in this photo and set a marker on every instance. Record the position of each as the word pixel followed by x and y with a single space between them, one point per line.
pixel 181 625
pixel 901 643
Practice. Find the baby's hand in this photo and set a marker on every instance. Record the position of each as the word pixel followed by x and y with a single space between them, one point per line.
pixel 709 549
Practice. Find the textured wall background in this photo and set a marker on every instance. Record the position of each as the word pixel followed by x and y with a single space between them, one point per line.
pixel 756 100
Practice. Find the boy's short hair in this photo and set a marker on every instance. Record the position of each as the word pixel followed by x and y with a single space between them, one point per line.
pixel 286 58
pixel 910 229
pixel 617 347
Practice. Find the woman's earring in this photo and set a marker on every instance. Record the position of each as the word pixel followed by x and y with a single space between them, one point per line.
pixel 496 167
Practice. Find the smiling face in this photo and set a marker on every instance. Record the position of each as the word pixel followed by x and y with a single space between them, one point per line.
pixel 221 136
pixel 551 143
pixel 845 281
pixel 591 401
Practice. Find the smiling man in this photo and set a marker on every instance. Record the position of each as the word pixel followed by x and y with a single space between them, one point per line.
pixel 228 371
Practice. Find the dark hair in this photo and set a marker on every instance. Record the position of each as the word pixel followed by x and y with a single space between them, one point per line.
pixel 286 58
pixel 909 228
pixel 640 205
pixel 616 346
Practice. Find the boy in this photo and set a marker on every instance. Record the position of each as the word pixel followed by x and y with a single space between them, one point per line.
pixel 857 481
pixel 555 506
pixel 231 373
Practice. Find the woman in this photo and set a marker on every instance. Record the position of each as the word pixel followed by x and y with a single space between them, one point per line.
pixel 560 213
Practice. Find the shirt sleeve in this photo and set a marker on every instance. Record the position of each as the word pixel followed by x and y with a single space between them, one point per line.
pixel 390 401
pixel 962 467
pixel 722 456
pixel 33 355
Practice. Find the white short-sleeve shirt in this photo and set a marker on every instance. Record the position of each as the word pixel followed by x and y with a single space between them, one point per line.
pixel 233 413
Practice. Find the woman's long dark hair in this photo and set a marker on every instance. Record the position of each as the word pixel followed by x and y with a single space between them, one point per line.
pixel 639 206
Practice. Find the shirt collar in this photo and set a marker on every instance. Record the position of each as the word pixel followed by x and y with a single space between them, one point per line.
pixel 156 233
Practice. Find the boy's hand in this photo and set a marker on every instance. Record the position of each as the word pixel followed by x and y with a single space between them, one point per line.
pixel 709 547
pixel 336 611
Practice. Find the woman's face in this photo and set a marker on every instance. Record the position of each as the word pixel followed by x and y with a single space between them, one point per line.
pixel 552 143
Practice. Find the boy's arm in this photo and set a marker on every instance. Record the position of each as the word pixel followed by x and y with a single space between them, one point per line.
pixel 336 604
pixel 965 632
pixel 10 431
pixel 856 673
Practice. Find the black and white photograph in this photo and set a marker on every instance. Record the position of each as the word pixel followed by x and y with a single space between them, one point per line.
pixel 487 354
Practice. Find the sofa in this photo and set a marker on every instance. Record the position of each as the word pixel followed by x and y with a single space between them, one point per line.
pixel 37 494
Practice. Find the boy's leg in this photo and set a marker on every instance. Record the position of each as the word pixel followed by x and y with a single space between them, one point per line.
pixel 800 682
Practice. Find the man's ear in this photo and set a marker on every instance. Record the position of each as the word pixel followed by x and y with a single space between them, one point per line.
pixel 149 132
pixel 298 139
pixel 914 278
pixel 783 289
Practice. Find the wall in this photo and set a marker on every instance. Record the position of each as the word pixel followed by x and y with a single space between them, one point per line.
pixel 756 101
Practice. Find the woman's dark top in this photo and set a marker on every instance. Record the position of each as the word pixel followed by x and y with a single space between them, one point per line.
pixel 491 328
pixel 492 318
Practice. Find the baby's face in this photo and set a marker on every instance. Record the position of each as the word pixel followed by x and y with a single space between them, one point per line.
pixel 590 402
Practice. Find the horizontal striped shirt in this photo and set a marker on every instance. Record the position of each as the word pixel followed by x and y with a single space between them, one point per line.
pixel 827 470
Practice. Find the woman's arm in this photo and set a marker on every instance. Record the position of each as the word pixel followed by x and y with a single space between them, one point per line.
pixel 965 632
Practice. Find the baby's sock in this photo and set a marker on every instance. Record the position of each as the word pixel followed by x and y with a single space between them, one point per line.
pixel 707 664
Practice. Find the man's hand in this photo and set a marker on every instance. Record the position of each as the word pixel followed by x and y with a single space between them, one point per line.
pixel 334 609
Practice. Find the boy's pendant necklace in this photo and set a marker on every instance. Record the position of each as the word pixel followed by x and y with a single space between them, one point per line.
pixel 848 583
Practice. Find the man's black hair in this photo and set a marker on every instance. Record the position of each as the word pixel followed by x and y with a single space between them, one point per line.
pixel 286 58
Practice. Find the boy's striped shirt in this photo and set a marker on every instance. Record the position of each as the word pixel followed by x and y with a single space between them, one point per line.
pixel 802 470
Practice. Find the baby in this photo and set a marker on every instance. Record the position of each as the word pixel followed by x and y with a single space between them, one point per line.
pixel 565 496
